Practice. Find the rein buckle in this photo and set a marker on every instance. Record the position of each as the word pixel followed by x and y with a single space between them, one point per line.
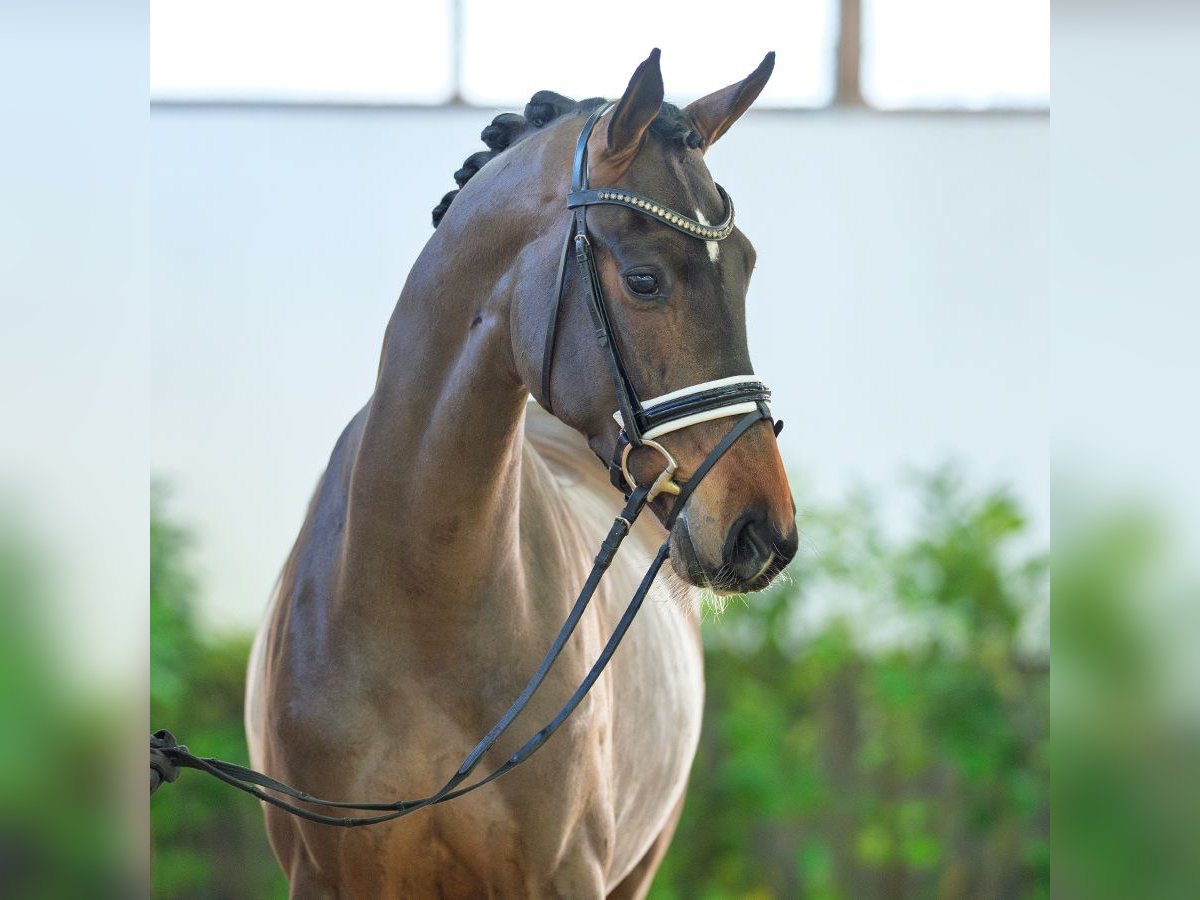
pixel 664 483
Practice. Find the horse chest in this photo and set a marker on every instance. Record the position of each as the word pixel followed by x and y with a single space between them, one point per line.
pixel 608 783
pixel 658 691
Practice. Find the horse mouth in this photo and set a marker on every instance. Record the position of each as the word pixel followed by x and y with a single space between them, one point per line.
pixel 684 559
pixel 687 565
pixel 765 567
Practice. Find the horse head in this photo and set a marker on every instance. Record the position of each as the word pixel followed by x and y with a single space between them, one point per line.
pixel 675 302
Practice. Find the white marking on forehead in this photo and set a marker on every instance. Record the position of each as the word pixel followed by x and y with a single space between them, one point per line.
pixel 714 249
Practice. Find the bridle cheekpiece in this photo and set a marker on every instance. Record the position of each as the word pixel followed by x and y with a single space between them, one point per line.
pixel 643 421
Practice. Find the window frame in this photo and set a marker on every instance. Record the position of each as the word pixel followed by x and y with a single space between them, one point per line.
pixel 847 93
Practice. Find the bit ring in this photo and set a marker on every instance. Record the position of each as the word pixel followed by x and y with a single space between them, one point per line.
pixel 664 483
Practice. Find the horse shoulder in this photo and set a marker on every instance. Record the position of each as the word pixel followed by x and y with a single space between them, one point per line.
pixel 310 569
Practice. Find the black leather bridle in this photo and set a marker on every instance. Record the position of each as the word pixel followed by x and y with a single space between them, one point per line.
pixel 640 422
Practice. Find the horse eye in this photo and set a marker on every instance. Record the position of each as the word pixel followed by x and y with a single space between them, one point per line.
pixel 642 283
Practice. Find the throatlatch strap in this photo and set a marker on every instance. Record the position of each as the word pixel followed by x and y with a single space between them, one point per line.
pixel 552 328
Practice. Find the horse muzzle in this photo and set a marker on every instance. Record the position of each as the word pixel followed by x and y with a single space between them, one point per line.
pixel 753 553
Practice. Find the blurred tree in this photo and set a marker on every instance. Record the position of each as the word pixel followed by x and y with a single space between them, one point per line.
pixel 897 749
pixel 207 839
pixel 1127 733
pixel 59 744
pixel 876 727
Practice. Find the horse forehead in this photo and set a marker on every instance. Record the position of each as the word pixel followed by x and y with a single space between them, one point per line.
pixel 713 247
pixel 672 175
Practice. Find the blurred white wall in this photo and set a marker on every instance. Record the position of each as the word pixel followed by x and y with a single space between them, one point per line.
pixel 899 309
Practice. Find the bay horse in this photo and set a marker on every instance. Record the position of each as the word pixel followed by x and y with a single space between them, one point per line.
pixel 456 519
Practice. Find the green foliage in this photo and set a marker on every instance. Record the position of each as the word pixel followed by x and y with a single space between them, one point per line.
pixel 58 744
pixel 893 746
pixel 1127 735
pixel 207 839
pixel 874 728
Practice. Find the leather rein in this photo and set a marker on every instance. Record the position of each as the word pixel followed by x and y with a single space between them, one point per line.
pixel 743 396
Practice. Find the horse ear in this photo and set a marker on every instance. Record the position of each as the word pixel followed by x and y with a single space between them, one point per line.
pixel 712 115
pixel 636 109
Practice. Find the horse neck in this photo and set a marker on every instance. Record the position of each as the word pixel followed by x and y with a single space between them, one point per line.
pixel 434 494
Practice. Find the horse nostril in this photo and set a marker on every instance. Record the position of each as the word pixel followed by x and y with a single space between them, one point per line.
pixel 750 546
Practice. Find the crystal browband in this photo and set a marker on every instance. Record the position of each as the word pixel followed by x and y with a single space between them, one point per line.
pixel 664 214
pixel 733 396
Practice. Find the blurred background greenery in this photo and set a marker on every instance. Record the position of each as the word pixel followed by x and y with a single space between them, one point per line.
pixel 207 840
pixel 60 742
pixel 877 726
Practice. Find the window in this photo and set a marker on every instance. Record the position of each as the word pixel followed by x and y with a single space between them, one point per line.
pixel 512 49
pixel 301 50
pixel 898 54
pixel 972 54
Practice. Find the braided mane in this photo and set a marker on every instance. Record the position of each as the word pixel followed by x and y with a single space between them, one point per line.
pixel 670 125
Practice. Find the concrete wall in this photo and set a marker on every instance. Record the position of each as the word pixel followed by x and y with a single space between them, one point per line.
pixel 899 308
